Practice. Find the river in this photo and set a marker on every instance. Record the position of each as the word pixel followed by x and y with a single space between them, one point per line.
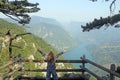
pixel 78 52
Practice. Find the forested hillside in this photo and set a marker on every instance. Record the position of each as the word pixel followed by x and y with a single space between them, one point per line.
pixel 26 45
pixel 105 54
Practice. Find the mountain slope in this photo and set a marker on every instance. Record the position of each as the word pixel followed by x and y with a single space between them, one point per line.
pixel 27 44
pixel 51 31
pixel 105 54
pixel 108 52
pixel 27 40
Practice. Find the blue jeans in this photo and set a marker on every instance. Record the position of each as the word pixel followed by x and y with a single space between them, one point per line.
pixel 53 72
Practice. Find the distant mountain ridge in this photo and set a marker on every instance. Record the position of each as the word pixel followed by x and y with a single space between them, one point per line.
pixel 51 30
pixel 96 36
pixel 38 19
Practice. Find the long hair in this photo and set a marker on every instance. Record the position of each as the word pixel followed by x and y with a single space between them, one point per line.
pixel 50 56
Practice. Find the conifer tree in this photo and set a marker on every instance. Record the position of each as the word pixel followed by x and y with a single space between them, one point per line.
pixel 108 21
pixel 18 9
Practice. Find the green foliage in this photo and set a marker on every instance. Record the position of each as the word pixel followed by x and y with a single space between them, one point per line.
pixel 18 10
pixel 28 46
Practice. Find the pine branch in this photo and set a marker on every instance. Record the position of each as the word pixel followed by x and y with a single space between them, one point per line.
pixel 18 10
pixel 98 23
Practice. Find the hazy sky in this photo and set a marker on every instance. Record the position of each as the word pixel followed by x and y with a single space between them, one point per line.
pixel 73 10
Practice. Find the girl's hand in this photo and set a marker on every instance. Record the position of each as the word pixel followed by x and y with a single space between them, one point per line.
pixel 64 50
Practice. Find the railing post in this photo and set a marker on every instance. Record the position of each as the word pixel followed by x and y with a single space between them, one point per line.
pixel 83 64
pixel 112 68
pixel 21 65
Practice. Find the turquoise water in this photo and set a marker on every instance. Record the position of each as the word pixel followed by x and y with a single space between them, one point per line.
pixel 78 52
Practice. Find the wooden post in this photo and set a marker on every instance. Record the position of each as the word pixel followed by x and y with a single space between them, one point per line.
pixel 21 65
pixel 83 64
pixel 112 68
pixel 103 68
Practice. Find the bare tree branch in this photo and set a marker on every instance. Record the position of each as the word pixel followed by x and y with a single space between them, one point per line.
pixel 113 2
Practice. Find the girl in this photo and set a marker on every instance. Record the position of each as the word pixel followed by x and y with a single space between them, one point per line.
pixel 51 67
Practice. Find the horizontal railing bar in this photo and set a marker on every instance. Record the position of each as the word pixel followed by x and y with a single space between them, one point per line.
pixel 6 65
pixel 103 68
pixel 57 61
pixel 58 70
pixel 11 73
pixel 10 63
pixel 98 78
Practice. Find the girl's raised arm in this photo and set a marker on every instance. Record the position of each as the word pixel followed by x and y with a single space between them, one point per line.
pixel 42 53
pixel 60 53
